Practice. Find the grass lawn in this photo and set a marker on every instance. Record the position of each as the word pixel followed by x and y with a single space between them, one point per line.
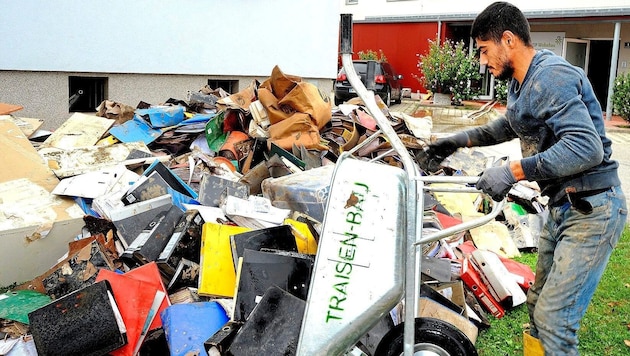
pixel 605 329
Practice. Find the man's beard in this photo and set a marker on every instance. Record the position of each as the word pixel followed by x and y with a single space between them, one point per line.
pixel 507 72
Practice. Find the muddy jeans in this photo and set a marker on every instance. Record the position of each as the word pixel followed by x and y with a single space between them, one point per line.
pixel 573 251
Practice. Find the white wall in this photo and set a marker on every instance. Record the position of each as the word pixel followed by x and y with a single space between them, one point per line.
pixel 237 37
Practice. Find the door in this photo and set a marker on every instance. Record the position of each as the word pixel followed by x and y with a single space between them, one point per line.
pixel 599 68
pixel 576 52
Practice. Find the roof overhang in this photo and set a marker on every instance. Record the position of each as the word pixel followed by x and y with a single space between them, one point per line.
pixel 534 16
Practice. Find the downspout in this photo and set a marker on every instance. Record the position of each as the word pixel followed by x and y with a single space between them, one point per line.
pixel 439 33
pixel 613 71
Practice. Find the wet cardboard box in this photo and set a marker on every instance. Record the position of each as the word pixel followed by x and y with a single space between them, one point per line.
pixel 35 225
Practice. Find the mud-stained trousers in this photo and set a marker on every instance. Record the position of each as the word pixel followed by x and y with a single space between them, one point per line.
pixel 573 251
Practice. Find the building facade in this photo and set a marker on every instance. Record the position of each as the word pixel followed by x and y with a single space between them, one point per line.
pixel 59 57
pixel 596 38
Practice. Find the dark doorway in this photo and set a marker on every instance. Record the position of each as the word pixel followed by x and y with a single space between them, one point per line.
pixel 599 68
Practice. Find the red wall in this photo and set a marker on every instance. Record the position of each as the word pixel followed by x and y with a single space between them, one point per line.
pixel 400 42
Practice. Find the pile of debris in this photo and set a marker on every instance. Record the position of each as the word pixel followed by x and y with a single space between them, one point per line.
pixel 187 225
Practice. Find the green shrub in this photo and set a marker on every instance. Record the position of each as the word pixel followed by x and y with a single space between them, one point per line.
pixel 448 68
pixel 621 96
pixel 501 90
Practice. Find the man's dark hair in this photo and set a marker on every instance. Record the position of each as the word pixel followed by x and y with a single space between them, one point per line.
pixel 497 18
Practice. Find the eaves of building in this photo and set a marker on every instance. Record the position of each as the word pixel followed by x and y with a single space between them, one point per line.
pixel 542 16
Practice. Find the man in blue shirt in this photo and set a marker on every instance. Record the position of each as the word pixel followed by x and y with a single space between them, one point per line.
pixel 553 110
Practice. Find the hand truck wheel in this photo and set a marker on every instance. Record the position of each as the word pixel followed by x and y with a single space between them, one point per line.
pixel 433 337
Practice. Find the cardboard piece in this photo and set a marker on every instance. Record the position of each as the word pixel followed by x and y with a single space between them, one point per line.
pixel 79 251
pixel 27 125
pixel 80 130
pixel 65 163
pixel 116 111
pixel 35 225
pixel 453 291
pixel 494 236
pixel 79 269
pixel 296 109
pixel 430 308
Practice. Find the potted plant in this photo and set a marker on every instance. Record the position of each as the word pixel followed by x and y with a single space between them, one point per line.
pixel 448 69
pixel 372 55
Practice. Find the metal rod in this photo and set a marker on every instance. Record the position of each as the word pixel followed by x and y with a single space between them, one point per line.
pixel 496 209
pixel 413 229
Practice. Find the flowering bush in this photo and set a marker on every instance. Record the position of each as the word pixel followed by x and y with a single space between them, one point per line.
pixel 448 69
pixel 621 96
pixel 501 90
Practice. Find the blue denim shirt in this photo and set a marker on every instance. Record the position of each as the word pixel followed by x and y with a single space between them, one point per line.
pixel 560 124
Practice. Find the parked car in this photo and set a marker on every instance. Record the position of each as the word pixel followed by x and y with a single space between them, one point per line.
pixel 379 77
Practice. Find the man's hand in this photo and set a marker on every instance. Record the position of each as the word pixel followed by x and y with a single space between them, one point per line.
pixel 442 148
pixel 496 181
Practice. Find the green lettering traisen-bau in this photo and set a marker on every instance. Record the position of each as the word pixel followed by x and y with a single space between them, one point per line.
pixel 346 254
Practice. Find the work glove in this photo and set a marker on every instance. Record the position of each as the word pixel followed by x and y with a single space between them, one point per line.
pixel 443 147
pixel 496 181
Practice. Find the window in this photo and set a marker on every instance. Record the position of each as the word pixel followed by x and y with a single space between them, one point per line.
pixel 230 86
pixel 86 93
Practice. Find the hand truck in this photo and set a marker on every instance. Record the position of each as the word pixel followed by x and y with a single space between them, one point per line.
pixel 367 260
